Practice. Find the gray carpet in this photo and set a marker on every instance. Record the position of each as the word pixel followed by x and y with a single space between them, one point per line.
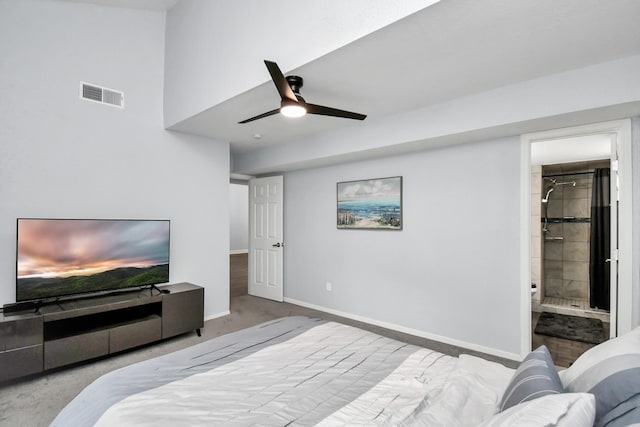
pixel 35 401
pixel 572 328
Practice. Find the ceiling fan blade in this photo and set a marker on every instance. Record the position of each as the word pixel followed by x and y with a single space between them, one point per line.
pixel 334 112
pixel 267 114
pixel 283 87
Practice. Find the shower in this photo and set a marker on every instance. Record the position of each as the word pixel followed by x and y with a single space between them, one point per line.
pixel 564 203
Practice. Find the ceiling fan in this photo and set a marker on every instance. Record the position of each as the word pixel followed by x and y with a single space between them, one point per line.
pixel 292 104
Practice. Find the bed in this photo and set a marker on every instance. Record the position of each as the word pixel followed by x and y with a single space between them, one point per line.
pixel 299 371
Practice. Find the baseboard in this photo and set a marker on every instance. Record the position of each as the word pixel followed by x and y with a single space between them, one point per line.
pixel 215 316
pixel 410 331
pixel 238 251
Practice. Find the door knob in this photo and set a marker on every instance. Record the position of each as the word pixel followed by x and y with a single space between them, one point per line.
pixel 276 245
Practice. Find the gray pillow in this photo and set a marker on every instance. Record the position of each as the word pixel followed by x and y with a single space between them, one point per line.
pixel 535 377
pixel 610 371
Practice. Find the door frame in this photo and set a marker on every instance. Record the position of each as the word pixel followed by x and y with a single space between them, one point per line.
pixel 622 131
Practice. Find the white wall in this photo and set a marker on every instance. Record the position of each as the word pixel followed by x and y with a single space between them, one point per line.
pixel 238 217
pixel 65 157
pixel 453 271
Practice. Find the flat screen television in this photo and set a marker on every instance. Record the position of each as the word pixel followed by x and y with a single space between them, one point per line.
pixel 63 257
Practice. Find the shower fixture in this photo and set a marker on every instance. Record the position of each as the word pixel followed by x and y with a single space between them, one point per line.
pixel 551 187
pixel 548 190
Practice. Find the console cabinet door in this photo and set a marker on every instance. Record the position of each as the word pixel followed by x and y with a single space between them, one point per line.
pixel 17 363
pixel 182 311
pixel 20 332
pixel 20 346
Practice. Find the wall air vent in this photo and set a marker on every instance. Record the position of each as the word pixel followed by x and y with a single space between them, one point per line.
pixel 94 93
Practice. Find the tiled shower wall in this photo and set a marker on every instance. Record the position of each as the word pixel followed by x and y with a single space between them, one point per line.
pixel 566 260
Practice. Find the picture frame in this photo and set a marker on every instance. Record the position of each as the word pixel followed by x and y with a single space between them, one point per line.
pixel 370 204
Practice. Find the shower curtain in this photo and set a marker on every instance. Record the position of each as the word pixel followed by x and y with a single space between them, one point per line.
pixel 599 279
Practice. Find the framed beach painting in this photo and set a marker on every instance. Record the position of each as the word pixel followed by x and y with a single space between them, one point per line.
pixel 374 204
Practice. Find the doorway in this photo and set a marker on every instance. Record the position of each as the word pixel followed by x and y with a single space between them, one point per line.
pixel 256 237
pixel 238 237
pixel 538 298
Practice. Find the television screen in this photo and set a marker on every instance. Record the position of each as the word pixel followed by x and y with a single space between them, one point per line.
pixel 62 257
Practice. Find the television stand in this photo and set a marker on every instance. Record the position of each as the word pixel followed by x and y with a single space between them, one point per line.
pixel 85 328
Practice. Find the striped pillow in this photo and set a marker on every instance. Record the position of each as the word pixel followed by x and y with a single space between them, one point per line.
pixel 611 371
pixel 535 377
pixel 623 415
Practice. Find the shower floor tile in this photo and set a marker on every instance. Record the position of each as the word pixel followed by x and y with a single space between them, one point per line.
pixel 573 307
pixel 580 304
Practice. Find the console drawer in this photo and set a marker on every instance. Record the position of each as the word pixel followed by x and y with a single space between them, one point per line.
pixel 76 348
pixel 135 334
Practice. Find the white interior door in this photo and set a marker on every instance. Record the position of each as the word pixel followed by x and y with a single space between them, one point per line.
pixel 265 237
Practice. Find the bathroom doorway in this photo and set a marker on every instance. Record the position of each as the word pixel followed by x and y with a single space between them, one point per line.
pixel 561 147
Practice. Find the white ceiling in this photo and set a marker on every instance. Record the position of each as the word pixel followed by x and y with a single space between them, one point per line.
pixel 452 49
pixel 449 50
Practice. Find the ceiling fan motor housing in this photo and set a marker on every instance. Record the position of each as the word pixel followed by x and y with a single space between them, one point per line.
pixel 295 82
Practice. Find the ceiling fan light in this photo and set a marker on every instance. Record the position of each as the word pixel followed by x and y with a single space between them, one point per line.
pixel 293 110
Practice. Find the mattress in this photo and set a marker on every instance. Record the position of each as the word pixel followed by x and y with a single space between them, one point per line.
pixel 294 371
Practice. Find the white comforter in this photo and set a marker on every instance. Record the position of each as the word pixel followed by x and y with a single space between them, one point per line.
pixel 292 382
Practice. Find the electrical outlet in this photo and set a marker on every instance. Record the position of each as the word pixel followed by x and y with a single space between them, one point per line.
pixel 328 286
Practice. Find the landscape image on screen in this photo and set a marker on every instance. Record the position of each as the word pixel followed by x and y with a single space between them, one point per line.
pixel 60 257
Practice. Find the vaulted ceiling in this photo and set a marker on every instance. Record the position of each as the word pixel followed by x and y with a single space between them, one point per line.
pixel 450 50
